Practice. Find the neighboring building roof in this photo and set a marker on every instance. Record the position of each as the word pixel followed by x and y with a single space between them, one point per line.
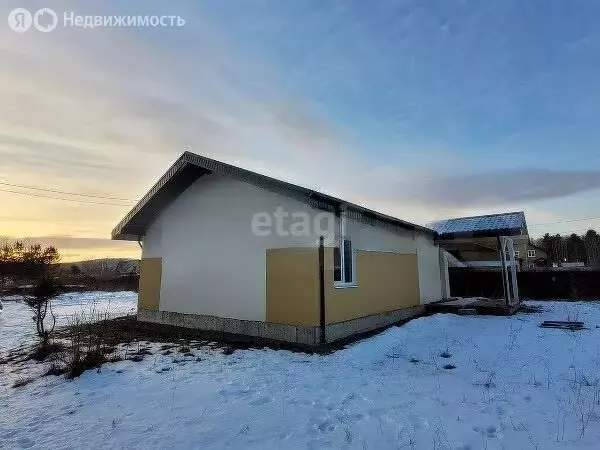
pixel 489 225
pixel 189 167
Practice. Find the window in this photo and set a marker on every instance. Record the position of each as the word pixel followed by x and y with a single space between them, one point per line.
pixel 347 261
pixel 516 254
pixel 337 264
pixel 343 267
pixel 531 253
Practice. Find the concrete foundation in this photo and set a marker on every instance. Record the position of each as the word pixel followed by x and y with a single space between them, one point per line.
pixel 303 335
pixel 294 334
pixel 349 328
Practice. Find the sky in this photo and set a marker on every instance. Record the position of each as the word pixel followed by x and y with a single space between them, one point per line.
pixel 423 110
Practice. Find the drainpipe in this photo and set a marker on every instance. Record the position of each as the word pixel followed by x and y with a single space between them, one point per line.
pixel 505 286
pixel 322 289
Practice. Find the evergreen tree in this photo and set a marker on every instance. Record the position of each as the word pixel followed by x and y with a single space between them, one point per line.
pixel 591 241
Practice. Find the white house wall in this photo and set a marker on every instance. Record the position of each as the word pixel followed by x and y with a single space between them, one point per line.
pixel 367 237
pixel 372 238
pixel 212 263
pixel 430 272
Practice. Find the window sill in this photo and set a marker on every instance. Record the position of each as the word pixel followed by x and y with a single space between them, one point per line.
pixel 344 285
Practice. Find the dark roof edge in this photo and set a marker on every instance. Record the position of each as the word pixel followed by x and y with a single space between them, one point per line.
pixel 175 167
pixel 316 198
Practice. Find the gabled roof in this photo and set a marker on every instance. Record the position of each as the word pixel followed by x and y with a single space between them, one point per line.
pixel 508 224
pixel 189 167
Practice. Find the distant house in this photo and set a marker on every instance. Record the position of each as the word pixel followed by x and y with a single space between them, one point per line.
pixel 232 251
pixel 473 240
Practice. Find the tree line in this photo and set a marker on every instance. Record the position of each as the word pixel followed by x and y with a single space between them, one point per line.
pixel 24 263
pixel 572 248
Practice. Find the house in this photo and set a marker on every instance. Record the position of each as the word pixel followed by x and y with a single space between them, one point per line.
pixel 474 240
pixel 236 252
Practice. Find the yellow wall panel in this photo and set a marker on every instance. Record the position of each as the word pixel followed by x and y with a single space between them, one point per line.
pixel 292 279
pixel 385 281
pixel 149 288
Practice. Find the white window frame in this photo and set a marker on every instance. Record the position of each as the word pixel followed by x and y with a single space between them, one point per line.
pixel 341 236
pixel 531 253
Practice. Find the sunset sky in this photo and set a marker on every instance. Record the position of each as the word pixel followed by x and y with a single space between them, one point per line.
pixel 420 109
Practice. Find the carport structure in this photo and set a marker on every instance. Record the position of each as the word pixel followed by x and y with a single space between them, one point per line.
pixel 501 247
pixel 487 242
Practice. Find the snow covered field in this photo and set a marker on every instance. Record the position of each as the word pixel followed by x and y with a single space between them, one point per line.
pixel 17 327
pixel 514 386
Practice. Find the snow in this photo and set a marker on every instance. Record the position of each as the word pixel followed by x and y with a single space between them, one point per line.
pixel 515 386
pixel 17 327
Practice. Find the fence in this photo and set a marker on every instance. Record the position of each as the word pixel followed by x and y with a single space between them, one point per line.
pixel 572 284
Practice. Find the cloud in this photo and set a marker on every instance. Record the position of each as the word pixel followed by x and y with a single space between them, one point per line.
pixel 82 92
pixel 500 187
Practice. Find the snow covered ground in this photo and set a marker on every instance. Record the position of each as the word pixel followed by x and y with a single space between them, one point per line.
pixel 514 386
pixel 17 327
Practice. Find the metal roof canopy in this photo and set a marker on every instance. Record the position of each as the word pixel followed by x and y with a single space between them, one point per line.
pixel 190 166
pixel 504 224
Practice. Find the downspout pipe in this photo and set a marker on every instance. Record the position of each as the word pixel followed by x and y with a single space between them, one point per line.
pixel 322 289
pixel 505 286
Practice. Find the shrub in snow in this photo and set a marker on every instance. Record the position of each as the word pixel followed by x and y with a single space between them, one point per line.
pixel 89 345
pixel 40 303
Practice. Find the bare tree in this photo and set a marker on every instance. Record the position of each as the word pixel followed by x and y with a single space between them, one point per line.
pixel 39 301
